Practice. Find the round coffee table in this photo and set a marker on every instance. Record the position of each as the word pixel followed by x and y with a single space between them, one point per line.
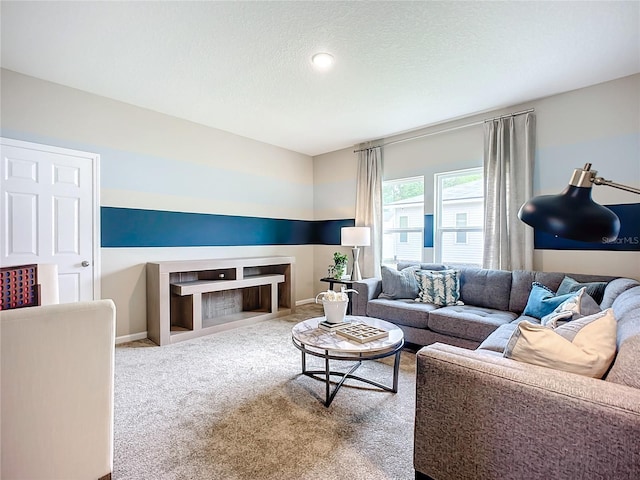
pixel 330 345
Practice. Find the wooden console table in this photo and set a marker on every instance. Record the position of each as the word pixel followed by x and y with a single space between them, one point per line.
pixel 190 298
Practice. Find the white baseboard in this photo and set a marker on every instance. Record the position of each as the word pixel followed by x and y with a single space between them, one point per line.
pixel 142 335
pixel 131 338
pixel 305 301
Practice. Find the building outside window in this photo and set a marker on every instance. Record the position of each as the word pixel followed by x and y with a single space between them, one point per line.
pixel 403 220
pixel 459 222
pixel 404 223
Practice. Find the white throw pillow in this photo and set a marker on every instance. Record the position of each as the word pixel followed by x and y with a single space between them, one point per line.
pixel 586 346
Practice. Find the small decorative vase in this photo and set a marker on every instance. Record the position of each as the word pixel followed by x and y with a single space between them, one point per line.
pixel 340 270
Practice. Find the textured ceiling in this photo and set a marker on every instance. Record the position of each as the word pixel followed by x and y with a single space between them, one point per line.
pixel 244 67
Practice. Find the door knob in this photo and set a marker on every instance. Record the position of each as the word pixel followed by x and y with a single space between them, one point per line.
pixel 85 263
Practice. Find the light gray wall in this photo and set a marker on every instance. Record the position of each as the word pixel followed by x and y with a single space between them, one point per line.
pixel 598 124
pixel 154 161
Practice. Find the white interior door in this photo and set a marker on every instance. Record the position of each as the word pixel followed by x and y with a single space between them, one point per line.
pixel 50 214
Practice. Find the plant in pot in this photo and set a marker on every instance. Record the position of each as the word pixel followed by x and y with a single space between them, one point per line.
pixel 340 261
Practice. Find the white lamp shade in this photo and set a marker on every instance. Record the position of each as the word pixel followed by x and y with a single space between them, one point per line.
pixel 356 236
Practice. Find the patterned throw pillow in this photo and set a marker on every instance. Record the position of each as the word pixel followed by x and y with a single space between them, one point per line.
pixel 439 288
pixel 586 346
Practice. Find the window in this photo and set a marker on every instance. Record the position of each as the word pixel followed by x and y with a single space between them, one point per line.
pixel 403 220
pixel 459 222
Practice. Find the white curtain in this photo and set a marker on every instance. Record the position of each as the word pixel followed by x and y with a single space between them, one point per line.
pixel 509 149
pixel 369 208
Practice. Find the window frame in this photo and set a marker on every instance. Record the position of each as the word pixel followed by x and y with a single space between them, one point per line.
pixel 438 230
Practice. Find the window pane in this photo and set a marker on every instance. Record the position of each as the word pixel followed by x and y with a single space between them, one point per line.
pixel 395 250
pixel 469 252
pixel 460 217
pixel 403 220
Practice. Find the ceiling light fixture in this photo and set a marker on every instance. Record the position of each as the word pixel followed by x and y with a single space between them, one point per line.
pixel 323 60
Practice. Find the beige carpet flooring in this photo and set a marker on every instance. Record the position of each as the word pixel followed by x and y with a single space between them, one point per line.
pixel 234 406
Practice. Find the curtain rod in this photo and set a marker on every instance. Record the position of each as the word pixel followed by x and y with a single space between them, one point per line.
pixel 479 122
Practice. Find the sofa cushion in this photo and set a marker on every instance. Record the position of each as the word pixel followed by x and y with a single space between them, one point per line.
pixel 614 289
pixel 399 284
pixel 585 346
pixel 421 266
pixel 402 312
pixel 522 282
pixel 439 288
pixel 485 288
pixel 468 321
pixel 626 366
pixel 543 301
pixel 497 341
pixel 594 289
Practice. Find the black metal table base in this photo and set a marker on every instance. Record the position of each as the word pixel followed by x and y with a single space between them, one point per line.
pixel 326 374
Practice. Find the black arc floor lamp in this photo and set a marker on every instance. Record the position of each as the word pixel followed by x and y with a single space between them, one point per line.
pixel 573 214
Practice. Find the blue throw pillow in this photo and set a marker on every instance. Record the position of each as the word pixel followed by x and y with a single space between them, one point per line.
pixel 542 301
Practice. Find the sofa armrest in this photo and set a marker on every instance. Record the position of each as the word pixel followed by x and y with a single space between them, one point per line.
pixel 368 289
pixel 479 415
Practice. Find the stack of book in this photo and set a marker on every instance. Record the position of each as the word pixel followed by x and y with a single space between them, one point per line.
pixel 330 327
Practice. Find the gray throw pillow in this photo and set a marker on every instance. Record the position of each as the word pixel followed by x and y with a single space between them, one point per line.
pixel 399 284
pixel 594 289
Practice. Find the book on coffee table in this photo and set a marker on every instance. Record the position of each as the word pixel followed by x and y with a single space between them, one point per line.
pixel 362 333
pixel 324 325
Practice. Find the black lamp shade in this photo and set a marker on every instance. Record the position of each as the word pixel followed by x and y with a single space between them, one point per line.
pixel 571 214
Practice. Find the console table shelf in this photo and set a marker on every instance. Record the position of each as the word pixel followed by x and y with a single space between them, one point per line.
pixel 191 298
pixel 203 286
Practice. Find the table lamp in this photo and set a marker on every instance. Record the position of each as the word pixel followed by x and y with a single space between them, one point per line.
pixel 355 237
pixel 573 214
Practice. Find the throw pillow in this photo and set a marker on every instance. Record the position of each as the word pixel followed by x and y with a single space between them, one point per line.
pixel 586 346
pixel 399 284
pixel 439 288
pixel 571 309
pixel 594 289
pixel 542 301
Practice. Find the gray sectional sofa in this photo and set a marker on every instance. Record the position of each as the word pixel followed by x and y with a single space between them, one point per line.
pixel 491 298
pixel 480 415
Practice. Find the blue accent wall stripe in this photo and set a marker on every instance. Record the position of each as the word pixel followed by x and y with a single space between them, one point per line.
pixel 128 227
pixel 428 231
pixel 628 238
